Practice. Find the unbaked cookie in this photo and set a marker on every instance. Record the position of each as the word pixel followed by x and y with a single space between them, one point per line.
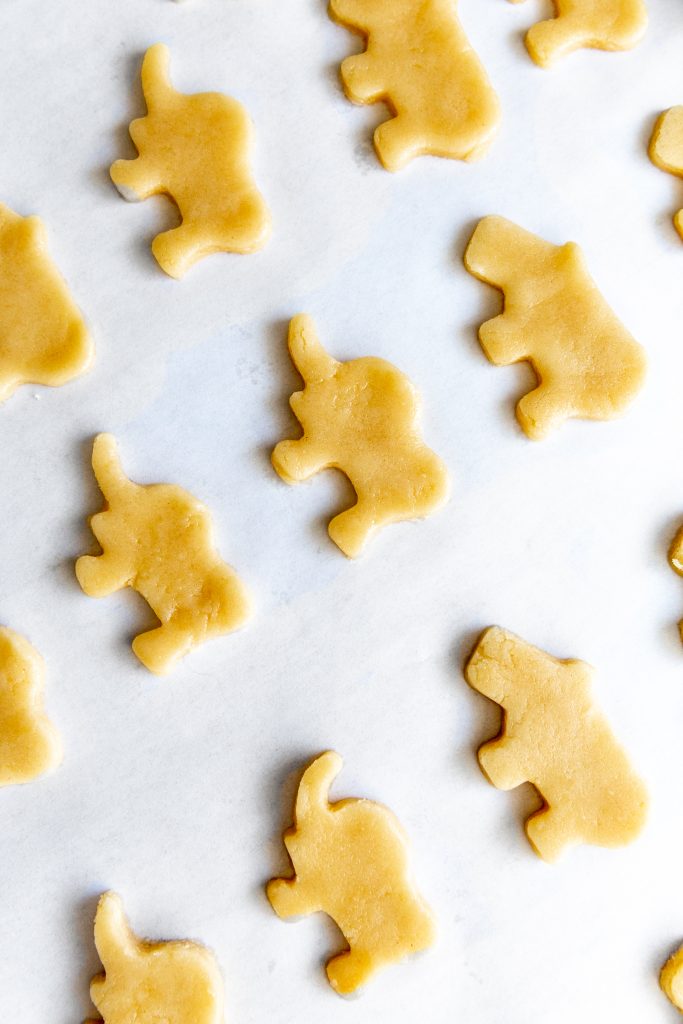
pixel 671 979
pixel 43 337
pixel 420 63
pixel 350 861
pixel 194 149
pixel 587 363
pixel 360 417
pixel 554 736
pixel 152 982
pixel 591 24
pixel 158 539
pixel 29 743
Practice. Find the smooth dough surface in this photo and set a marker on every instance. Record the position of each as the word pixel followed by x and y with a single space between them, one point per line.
pixel 360 417
pixel 587 24
pixel 43 337
pixel 29 743
pixel 152 982
pixel 666 149
pixel 158 539
pixel 420 63
pixel 676 562
pixel 554 736
pixel 671 979
pixel 587 363
pixel 196 150
pixel 350 861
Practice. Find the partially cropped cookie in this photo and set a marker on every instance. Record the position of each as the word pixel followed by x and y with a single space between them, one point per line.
pixel 666 149
pixel 420 63
pixel 350 861
pixel 29 743
pixel 671 979
pixel 158 539
pixel 196 150
pixel 587 24
pixel 554 736
pixel 147 982
pixel 360 417
pixel 43 337
pixel 554 317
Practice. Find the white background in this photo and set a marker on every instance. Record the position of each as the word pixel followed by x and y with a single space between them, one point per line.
pixel 175 791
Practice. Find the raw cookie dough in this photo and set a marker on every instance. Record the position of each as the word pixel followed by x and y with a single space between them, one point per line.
pixel 676 562
pixel 152 982
pixel 29 743
pixel 554 737
pixel 158 539
pixel 43 338
pixel 194 149
pixel 586 362
pixel 666 149
pixel 360 417
pixel 592 24
pixel 671 979
pixel 350 861
pixel 419 62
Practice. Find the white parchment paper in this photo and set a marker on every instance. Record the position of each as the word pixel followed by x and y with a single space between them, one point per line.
pixel 174 792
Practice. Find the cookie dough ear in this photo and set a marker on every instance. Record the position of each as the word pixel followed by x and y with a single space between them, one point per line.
pixel 113 936
pixel 315 784
pixel 307 352
pixel 156 82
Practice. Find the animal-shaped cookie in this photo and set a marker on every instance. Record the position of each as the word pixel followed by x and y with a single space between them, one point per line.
pixel 194 149
pixel 666 149
pixel 554 736
pixel 671 979
pixel 586 24
pixel 158 539
pixel 587 363
pixel 43 338
pixel 360 417
pixel 151 982
pixel 350 861
pixel 29 744
pixel 420 63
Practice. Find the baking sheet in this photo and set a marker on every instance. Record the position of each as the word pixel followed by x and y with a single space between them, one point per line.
pixel 175 791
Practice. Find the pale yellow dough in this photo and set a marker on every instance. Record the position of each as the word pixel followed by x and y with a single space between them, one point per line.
pixel 350 861
pixel 152 982
pixel 671 979
pixel 666 149
pixel 29 744
pixel 587 24
pixel 360 417
pixel 554 736
pixel 158 539
pixel 43 338
pixel 586 362
pixel 420 63
pixel 196 150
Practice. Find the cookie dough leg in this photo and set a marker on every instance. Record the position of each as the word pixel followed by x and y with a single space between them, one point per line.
pixel 363 81
pixel 503 340
pixel 299 460
pixel 102 575
pixel 549 40
pixel 136 179
pixel 500 763
pixel 540 411
pixel 179 248
pixel 286 897
pixel 547 833
pixel 159 649
pixel 349 971
pixel 351 529
pixel 396 142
